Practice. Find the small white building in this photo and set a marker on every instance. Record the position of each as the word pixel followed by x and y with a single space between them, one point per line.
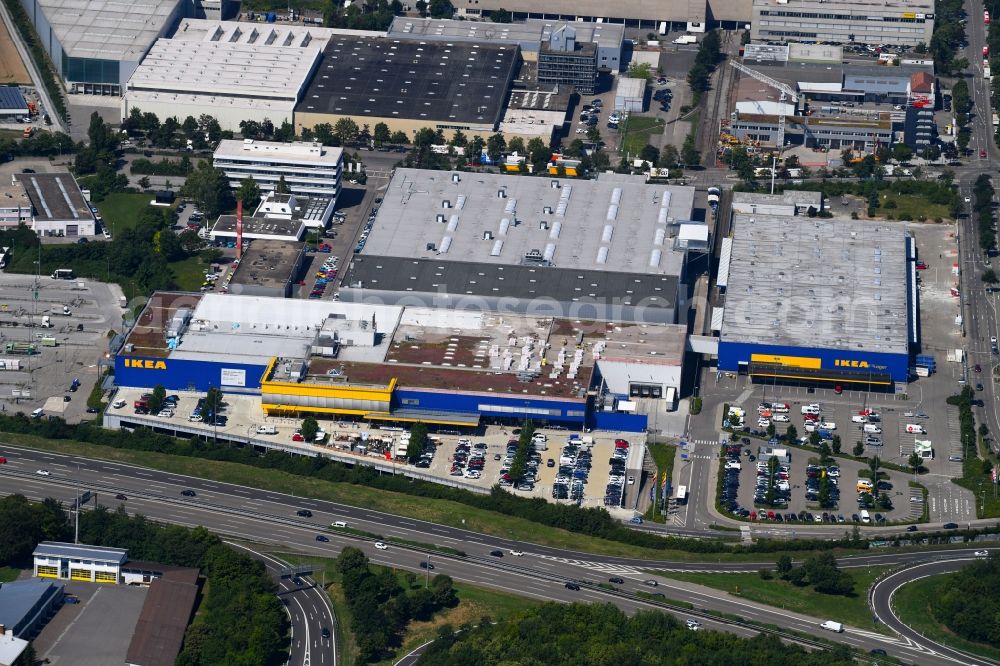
pixel 15 207
pixel 58 207
pixel 67 561
pixel 308 168
pixel 630 94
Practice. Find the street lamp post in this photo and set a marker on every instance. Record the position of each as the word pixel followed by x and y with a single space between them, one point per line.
pixel 427 572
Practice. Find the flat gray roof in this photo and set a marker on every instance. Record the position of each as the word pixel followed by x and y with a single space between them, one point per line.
pixel 268 263
pixel 815 282
pixel 18 598
pixel 74 551
pixel 465 278
pixel 522 32
pixel 108 29
pixel 259 226
pixel 565 223
pixel 55 197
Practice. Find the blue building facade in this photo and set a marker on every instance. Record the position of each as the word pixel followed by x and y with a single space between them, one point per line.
pixel 814 364
pixel 186 375
pixel 565 411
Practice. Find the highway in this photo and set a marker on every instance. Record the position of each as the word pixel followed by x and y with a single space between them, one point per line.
pixel 268 517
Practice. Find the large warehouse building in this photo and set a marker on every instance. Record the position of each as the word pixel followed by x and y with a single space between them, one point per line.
pixel 611 249
pixel 96 45
pixel 385 363
pixel 818 301
pixel 410 85
pixel 844 21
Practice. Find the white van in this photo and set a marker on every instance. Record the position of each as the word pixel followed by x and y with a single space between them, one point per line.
pixel 118 404
pixel 915 429
pixel 338 523
pixel 830 625
pixel 810 409
pixel 780 408
pixel 37 414
pixel 267 430
pixel 872 428
pixel 858 418
pixel 865 516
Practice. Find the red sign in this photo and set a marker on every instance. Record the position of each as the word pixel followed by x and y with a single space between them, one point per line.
pixel 239 229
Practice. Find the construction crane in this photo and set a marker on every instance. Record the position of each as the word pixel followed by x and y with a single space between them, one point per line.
pixel 785 90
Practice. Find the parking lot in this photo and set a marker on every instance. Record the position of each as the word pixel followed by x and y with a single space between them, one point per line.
pixel 800 476
pixel 67 346
pixel 566 466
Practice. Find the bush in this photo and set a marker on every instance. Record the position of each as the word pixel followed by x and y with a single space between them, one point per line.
pixel 694 405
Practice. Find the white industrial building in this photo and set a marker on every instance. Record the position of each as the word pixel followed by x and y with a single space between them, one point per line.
pixel 904 22
pixel 67 561
pixel 58 207
pixel 629 94
pixel 231 81
pixel 308 168
pixel 95 45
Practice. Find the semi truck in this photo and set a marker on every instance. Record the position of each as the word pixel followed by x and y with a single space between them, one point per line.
pixel 686 39
pixel 23 348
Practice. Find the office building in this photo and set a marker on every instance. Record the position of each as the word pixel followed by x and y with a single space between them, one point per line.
pixel 564 61
pixel 308 168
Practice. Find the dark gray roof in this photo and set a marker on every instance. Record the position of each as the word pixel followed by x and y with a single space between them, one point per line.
pixel 55 197
pixel 498 281
pixel 12 99
pixel 97 553
pixel 409 79
pixel 18 598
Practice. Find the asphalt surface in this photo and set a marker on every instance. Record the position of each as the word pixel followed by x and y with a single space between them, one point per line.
pixel 880 600
pixel 269 517
pixel 309 612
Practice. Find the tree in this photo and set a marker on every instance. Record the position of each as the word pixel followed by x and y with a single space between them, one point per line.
pixel 144 182
pixel 783 565
pixel 418 441
pixel 381 135
pixel 814 438
pixel 791 434
pixel 648 153
pixel 836 444
pixel 874 464
pixel 826 578
pixel 281 187
pixel 689 152
pixel 669 157
pixel 990 276
pixel 538 154
pixel 476 148
pixel 400 137
pixel 859 449
pixel 516 145
pixel 501 16
pixel 901 152
pixel 309 428
pixel 29 657
pixel 210 188
pixel 248 192
pixel 212 406
pixel 915 461
pixel 441 9
pixel 770 430
pixel 346 130
pixel 495 146
pixel 324 134
pixel 285 133
pixel 156 398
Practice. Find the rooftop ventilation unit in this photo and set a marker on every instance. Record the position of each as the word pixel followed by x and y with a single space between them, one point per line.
pixel 487 235
pixel 533 256
pixel 497 248
pixel 440 218
pixel 445 204
pixel 455 178
pixel 501 194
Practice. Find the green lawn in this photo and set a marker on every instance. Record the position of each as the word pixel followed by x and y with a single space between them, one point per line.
pixel 636 133
pixel 910 207
pixel 121 209
pixel 8 574
pixel 189 273
pixel 782 594
pixel 914 603
pixel 663 456
pixel 474 604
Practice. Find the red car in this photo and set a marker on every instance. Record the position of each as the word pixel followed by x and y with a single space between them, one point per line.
pixel 297 437
pixel 978 368
pixel 982 153
pixel 3 461
pixel 921 266
pixel 838 389
pixel 621 444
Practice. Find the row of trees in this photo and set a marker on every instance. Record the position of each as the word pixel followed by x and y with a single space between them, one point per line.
pixel 982 209
pixel 381 607
pixel 969 605
pixel 948 37
pixel 572 634
pixel 708 57
pixel 596 522
pixel 163 167
pixel 202 131
pixel 23 524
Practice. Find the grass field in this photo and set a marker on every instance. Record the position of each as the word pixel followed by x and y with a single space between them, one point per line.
pixel 8 574
pixel 12 69
pixel 782 594
pixel 914 604
pixel 474 604
pixel 910 207
pixel 663 456
pixel 121 209
pixel 637 133
pixel 189 273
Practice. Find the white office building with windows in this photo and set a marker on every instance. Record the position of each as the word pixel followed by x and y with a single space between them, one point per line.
pixel 308 168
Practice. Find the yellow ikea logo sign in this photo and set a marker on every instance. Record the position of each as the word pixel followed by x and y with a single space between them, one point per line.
pixel 145 364
pixel 851 364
